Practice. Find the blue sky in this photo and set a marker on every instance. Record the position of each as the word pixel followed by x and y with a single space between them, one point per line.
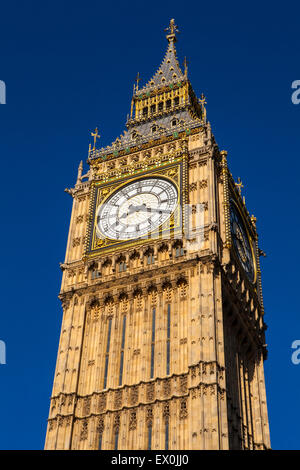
pixel 69 67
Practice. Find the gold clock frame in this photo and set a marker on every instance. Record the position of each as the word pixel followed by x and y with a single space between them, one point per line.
pixel 174 172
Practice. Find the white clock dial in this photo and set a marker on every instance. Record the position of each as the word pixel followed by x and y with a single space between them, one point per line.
pixel 136 209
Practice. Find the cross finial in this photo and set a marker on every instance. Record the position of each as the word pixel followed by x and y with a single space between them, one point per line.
pixel 239 185
pixel 172 28
pixel 96 136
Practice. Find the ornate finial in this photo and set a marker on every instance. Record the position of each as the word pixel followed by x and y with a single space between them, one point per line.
pixel 239 185
pixel 185 63
pixel 172 30
pixel 79 174
pixel 138 79
pixel 96 136
pixel 203 102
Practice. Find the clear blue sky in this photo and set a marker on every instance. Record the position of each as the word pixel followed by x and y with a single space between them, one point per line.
pixel 69 67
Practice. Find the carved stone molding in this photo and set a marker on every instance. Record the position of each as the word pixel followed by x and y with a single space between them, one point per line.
pixel 132 420
pixel 149 416
pixel 183 413
pixel 84 430
pixel 100 425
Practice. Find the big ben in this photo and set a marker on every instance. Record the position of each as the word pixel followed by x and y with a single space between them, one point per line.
pixel 162 340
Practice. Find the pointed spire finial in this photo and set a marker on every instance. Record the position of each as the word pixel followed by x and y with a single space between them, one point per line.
pixel 79 174
pixel 172 28
pixel 185 63
pixel 138 79
pixel 203 102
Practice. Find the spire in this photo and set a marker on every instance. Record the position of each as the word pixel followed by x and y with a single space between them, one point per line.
pixel 165 105
pixel 169 71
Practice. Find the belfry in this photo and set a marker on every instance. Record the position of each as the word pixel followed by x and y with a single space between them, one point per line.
pixel 163 336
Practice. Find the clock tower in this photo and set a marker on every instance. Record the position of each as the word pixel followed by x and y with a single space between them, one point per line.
pixel 163 335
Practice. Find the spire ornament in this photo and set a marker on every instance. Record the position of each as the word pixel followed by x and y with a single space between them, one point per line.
pixel 96 136
pixel 79 174
pixel 138 79
pixel 172 28
pixel 203 102
pixel 185 63
pixel 239 185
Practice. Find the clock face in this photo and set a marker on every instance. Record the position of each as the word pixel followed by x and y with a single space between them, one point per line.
pixel 241 242
pixel 137 209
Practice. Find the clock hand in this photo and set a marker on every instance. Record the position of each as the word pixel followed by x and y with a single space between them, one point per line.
pixel 151 209
pixel 131 210
pixel 143 208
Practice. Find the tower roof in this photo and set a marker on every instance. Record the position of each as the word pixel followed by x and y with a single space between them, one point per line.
pixel 169 71
pixel 165 106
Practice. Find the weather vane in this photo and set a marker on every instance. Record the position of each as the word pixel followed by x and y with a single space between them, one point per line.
pixel 172 29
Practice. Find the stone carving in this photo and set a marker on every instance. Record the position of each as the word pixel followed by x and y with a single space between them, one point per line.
pixel 76 242
pixel 100 425
pixel 193 187
pixel 82 197
pixel 84 430
pixel 183 409
pixel 166 411
pixel 71 399
pixel 150 392
pixel 167 387
pixel 79 219
pixel 118 399
pixel 86 406
pixel 203 184
pixel 183 383
pixel 149 416
pixel 132 421
pixel 117 419
pixel 68 420
pixel 52 424
pixel 102 402
pixel 134 395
